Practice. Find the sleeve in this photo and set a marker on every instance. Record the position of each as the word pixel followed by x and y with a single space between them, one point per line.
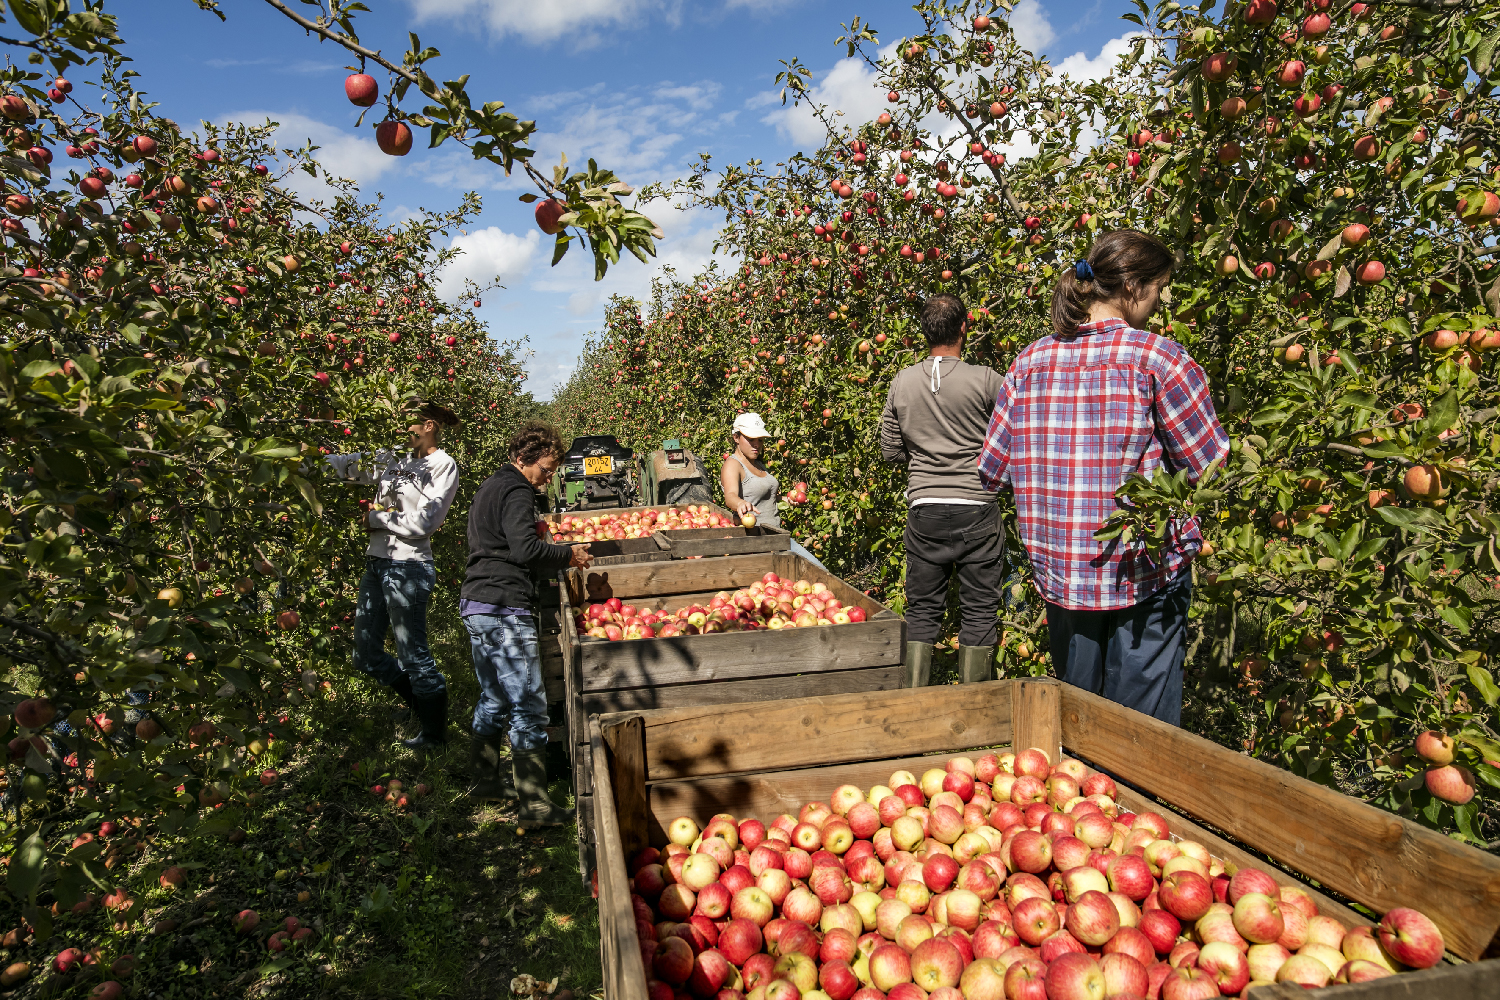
pixel 518 523
pixel 994 455
pixel 428 517
pixel 352 467
pixel 892 443
pixel 1191 434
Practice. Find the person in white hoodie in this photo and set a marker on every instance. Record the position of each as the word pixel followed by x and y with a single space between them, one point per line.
pixel 413 491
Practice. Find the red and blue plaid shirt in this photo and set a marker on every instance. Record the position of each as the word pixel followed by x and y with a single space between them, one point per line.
pixel 1075 418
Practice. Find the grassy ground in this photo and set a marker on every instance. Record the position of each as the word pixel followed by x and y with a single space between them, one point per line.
pixel 445 899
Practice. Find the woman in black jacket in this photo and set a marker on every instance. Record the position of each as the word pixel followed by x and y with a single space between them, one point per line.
pixel 497 606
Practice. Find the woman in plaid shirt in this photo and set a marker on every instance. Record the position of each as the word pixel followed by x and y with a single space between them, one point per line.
pixel 1079 413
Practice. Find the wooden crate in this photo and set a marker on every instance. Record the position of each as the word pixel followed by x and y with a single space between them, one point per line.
pixel 692 543
pixel 728 668
pixel 650 767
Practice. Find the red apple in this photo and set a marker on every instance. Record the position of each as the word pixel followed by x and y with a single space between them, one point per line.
pixel 360 88
pixel 393 137
pixel 1410 937
pixel 1186 895
pixel 1026 979
pixel 1075 976
pixel 889 966
pixel 1189 983
pixel 740 939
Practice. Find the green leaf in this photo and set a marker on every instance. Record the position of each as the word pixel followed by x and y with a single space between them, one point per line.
pixel 1485 684
pixel 1456 616
pixel 1444 412
pixel 1487 747
pixel 308 493
pixel 27 866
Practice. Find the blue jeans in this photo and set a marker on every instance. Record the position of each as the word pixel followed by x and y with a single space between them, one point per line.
pixel 394 594
pixel 508 666
pixel 1132 656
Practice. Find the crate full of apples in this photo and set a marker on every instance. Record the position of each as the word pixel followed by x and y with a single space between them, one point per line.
pixel 1002 878
pixel 769 603
pixel 619 525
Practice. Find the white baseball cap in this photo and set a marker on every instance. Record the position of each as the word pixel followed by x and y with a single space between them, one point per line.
pixel 750 425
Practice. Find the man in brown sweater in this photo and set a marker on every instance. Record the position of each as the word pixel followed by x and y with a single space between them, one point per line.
pixel 935 420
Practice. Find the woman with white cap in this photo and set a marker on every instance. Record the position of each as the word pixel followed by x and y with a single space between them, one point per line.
pixel 749 487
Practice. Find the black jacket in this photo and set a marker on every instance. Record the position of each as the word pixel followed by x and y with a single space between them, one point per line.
pixel 504 549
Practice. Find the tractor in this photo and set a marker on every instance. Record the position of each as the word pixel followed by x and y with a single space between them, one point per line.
pixel 599 473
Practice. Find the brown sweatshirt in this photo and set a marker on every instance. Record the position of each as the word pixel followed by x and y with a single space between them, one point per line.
pixel 935 422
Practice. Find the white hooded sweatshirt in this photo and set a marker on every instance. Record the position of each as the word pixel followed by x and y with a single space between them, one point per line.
pixel 416 493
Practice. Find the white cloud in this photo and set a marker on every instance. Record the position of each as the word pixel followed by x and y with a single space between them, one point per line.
pixel 489 254
pixel 342 154
pixel 1029 23
pixel 541 21
pixel 851 87
pixel 1080 67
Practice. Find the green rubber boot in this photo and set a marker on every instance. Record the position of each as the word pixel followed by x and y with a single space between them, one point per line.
pixel 489 772
pixel 976 663
pixel 537 810
pixel 918 664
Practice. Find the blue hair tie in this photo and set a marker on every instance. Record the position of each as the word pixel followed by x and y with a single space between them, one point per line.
pixel 1082 271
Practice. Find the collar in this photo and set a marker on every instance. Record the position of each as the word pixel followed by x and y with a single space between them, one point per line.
pixel 1102 326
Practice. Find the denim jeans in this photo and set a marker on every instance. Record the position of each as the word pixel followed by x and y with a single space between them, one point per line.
pixel 508 666
pixel 944 539
pixel 1132 656
pixel 394 594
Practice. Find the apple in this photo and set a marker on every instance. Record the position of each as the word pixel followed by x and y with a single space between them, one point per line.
pixel 751 903
pixel 1132 941
pixel 841 915
pixel 1035 919
pixel 1252 880
pixel 740 939
pixel 1075 976
pixel 1188 983
pixel 360 88
pixel 889 966
pixel 1031 852
pixel 1187 896
pixel 1410 938
pixel 936 963
pixel 1092 918
pixel 1026 979
pixel 1131 875
pixel 393 137
pixel 677 902
pixel 1032 762
pixel 1361 971
pixel 914 894
pixel 246 921
pixel 1453 783
pixel 1304 970
pixel 1293 927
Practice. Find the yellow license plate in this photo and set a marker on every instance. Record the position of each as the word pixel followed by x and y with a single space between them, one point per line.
pixel 600 466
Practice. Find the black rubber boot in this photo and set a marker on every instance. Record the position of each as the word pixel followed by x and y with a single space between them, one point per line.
pixel 918 664
pixel 537 810
pixel 432 712
pixel 489 772
pixel 402 687
pixel 976 663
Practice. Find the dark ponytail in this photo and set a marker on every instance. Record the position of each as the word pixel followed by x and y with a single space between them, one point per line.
pixel 1121 262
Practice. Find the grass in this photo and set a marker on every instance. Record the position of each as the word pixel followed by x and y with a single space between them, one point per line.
pixel 444 900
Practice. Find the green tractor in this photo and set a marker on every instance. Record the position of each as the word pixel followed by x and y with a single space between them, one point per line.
pixel 599 473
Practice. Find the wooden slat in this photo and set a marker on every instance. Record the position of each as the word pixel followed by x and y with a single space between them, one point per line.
pixel 624 971
pixel 716 542
pixel 587 859
pixel 1037 716
pixel 583 768
pixel 1183 828
pixel 1476 981
pixel 626 743
pixel 1369 855
pixel 887 678
pixel 693 659
pixel 772 735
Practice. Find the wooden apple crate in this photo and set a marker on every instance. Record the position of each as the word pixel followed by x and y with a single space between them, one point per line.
pixel 721 669
pixel 768 758
pixel 691 543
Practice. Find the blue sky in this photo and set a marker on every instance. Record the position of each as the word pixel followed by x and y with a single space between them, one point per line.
pixel 642 85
